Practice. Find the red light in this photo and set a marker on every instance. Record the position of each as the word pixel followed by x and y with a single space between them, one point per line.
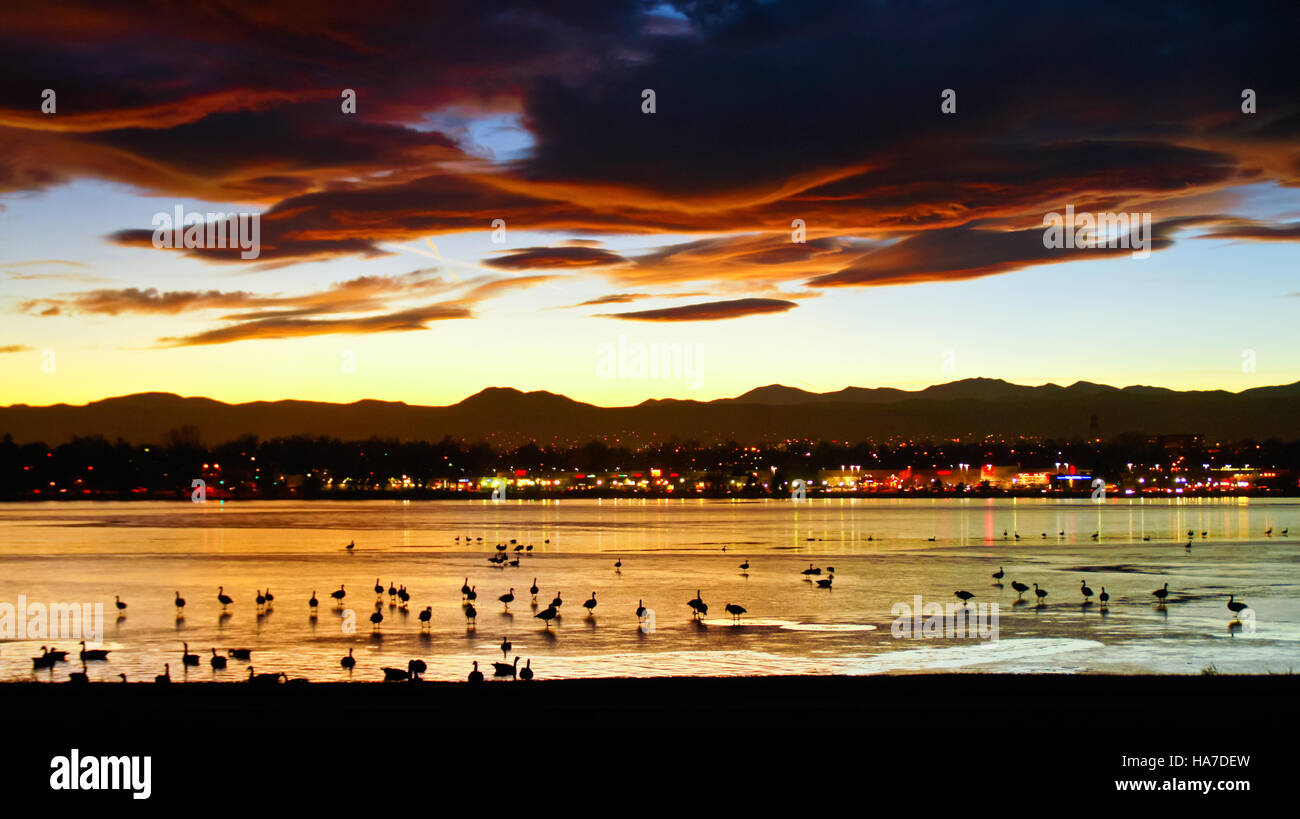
pixel 519 473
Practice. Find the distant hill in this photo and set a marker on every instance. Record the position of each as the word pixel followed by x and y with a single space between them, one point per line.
pixel 971 407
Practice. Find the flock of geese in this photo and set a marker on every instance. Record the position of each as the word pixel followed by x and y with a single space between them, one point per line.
pixel 400 597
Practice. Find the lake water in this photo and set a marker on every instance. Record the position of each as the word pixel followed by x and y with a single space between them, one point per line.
pixel 881 550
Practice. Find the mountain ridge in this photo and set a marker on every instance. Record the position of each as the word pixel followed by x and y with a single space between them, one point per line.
pixel 963 408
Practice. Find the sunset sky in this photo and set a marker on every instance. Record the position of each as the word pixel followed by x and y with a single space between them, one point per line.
pixel 378 276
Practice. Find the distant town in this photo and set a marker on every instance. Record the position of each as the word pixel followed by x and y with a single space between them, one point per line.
pixel 181 468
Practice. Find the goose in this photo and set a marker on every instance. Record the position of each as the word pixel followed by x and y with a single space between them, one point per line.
pixel 1061 533
pixel 473 594
pixel 1020 588
pixel 223 598
pixel 92 654
pixel 519 548
pixel 825 582
pixel 1188 547
pixel 349 662
pixel 217 660
pixel 501 547
pixel 339 595
pixel 180 603
pixel 379 588
pixel 505 646
pixel 514 562
pixel 476 676
pixel 265 679
pixel 471 614
pixel 529 547
pixel 118 602
pixel 416 668
pixel 744 567
pixel 404 596
pixel 375 619
pixel 1203 534
pixel 963 595
pixel 261 599
pixel 392 590
pixel 240 653
pixel 464 588
pixel 122 677
pixel 1269 531
pixel 1017 536
pixel 999 574
pixel 1044 536
pixel 810 570
pixel 1104 597
pixel 1235 606
pixel 618 564
pixel 313 602
pixel 698 605
pixel 734 610
pixel 1284 531
pixel 59 656
pixel 640 609
pixel 1040 593
pixel 79 677
pixel 533 590
pixel 508 598
pixel 1146 537
pixel 396 674
pixel 557 602
pixel 1096 535
pixel 270 598
pixel 46 660
pixel 526 673
pixel 931 540
pixel 186 657
pixel 505 669
pixel 352 544
pixel 546 615
pixel 1084 590
pixel 590 605
pixel 426 617
pixel 166 676
pixel 1162 593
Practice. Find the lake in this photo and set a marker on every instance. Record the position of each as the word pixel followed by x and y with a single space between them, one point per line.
pixel 884 552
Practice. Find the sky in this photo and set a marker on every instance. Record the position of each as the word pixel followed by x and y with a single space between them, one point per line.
pixel 805 204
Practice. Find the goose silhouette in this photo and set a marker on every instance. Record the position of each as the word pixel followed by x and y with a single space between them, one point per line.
pixel 93 653
pixel 349 662
pixel 505 669
pixel 218 662
pixel 526 673
pixel 546 615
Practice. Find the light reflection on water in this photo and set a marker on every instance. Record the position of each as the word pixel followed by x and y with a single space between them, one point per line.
pixel 75 552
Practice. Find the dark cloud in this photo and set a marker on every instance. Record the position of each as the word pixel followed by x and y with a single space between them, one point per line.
pixel 708 311
pixel 765 113
pixel 417 318
pixel 531 258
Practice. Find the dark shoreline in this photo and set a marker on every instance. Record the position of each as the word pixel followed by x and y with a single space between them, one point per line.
pixel 1118 691
pixel 608 745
